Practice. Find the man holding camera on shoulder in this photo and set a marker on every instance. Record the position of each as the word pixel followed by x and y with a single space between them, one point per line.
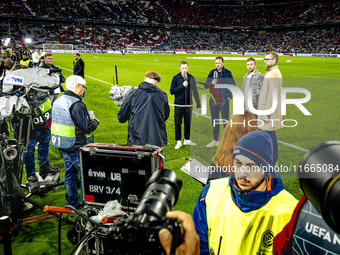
pixel 71 129
pixel 48 64
pixel 40 135
pixel 146 108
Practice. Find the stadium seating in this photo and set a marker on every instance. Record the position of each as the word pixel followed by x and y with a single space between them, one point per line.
pixel 306 26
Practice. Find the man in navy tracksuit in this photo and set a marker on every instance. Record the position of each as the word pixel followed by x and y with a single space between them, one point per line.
pixel 220 75
pixel 181 86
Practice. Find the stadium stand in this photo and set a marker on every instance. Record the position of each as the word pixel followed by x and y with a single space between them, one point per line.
pixel 298 26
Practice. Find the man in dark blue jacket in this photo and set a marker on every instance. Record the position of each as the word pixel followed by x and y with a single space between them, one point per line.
pixel 79 67
pixel 146 108
pixel 220 75
pixel 181 86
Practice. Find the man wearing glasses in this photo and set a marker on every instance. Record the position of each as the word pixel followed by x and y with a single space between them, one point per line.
pixel 71 129
pixel 272 82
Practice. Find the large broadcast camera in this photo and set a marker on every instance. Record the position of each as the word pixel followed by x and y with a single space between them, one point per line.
pixel 138 233
pixel 319 176
pixel 21 92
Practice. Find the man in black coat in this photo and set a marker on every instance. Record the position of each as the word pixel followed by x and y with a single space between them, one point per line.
pixel 146 108
pixel 79 67
pixel 183 85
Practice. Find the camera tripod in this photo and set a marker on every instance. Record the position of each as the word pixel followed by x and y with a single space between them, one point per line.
pixel 11 165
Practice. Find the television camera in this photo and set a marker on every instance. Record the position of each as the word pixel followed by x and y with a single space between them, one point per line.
pixel 21 93
pixel 121 233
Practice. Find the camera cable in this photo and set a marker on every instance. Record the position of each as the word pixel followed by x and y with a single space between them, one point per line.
pixel 85 217
pixel 83 239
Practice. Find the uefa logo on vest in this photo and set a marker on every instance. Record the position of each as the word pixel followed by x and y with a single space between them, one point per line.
pixel 239 103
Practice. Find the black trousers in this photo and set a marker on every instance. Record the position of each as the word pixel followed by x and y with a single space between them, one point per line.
pixel 181 112
pixel 4 128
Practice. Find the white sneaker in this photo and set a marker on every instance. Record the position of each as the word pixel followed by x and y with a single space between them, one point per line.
pixel 188 142
pixel 213 143
pixel 178 145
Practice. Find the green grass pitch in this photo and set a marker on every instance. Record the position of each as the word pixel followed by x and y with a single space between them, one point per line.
pixel 321 76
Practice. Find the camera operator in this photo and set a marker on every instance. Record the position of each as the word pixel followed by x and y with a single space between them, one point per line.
pixel 146 108
pixel 71 129
pixel 48 64
pixel 191 241
pixel 12 66
pixel 40 135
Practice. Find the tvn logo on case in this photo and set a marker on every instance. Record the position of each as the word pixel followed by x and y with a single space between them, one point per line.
pixel 96 173
pixel 14 80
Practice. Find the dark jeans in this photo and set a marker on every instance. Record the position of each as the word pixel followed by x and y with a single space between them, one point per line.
pixel 43 137
pixel 272 135
pixel 215 114
pixel 72 169
pixel 181 112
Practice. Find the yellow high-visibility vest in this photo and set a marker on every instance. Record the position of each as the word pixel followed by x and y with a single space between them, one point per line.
pixel 233 232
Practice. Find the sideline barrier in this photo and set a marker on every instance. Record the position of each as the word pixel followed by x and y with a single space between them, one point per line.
pixel 321 55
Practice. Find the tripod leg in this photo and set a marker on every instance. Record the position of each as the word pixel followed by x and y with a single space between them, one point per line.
pixel 5 226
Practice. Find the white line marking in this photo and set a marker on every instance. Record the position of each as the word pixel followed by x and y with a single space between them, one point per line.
pixel 203 115
pixel 86 76
pixel 287 144
pixel 225 58
pixel 293 146
pixel 313 73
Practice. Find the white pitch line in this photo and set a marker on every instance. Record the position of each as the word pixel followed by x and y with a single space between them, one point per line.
pixel 86 76
pixel 200 114
pixel 313 73
pixel 287 144
pixel 293 146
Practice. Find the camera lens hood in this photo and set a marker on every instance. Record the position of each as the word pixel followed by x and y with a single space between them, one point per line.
pixel 319 177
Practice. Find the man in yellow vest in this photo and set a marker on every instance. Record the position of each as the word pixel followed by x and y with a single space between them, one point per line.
pixel 242 214
pixel 26 61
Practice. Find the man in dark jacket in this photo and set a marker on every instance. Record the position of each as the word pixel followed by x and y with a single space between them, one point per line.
pixel 146 108
pixel 220 75
pixel 79 67
pixel 71 129
pixel 48 64
pixel 181 86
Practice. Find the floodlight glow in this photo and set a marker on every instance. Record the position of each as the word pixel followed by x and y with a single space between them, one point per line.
pixel 28 40
pixel 5 41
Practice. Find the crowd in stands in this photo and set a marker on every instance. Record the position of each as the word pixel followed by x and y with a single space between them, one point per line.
pixel 154 14
pixel 185 14
pixel 257 15
pixel 118 38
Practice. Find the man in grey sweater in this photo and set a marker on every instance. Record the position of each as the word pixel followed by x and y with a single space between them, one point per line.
pixel 252 83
